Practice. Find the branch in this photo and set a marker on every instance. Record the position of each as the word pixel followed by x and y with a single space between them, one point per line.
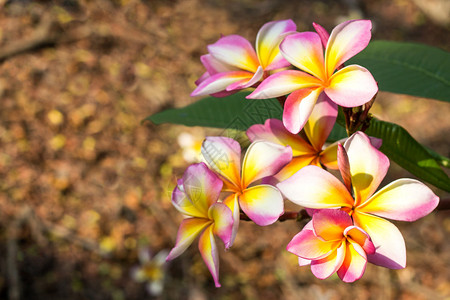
pixel 42 36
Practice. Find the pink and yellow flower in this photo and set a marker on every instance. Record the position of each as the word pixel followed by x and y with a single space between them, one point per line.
pixel 233 64
pixel 363 168
pixel 196 197
pixel 350 86
pixel 152 270
pixel 305 152
pixel 331 243
pixel 262 203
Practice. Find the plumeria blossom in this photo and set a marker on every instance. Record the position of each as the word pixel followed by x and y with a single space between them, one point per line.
pixel 262 203
pixel 305 152
pixel 350 86
pixel 191 145
pixel 233 64
pixel 151 270
pixel 196 197
pixel 363 168
pixel 331 243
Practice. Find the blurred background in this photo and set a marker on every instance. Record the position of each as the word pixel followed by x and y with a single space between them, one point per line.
pixel 85 187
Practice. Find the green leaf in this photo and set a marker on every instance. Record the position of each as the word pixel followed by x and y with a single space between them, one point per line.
pixel 440 159
pixel 232 112
pixel 408 68
pixel 338 133
pixel 403 149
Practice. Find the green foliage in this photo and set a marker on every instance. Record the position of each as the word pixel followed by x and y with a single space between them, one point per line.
pixel 232 112
pixel 402 148
pixel 408 68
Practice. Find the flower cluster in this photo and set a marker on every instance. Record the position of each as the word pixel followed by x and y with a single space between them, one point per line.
pixel 289 158
pixel 363 167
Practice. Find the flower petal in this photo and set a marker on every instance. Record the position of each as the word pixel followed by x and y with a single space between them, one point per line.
pixel 208 250
pixel 202 186
pixel 188 231
pixel 233 204
pixel 313 187
pixel 263 204
pixel 351 86
pixel 325 267
pixel 264 159
pixel 245 83
pixel 298 107
pixel 223 155
pixel 295 165
pixel 160 257
pixel 321 121
pixel 403 200
pixel 223 222
pixel 346 40
pixel 356 234
pixel 267 43
pixel 214 66
pixel 324 35
pixel 368 166
pixel 344 167
pixel 328 157
pixel 202 78
pixel 329 224
pixel 184 205
pixel 303 262
pixel 219 82
pixel 274 131
pixel 388 241
pixel 354 264
pixel 236 51
pixel 304 50
pixel 307 245
pixel 283 83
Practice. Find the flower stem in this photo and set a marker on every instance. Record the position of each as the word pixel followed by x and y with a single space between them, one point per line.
pixel 281 100
pixel 358 118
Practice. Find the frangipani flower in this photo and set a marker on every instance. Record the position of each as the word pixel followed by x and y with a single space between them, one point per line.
pixel 262 203
pixel 196 197
pixel 363 168
pixel 331 243
pixel 191 145
pixel 232 64
pixel 304 152
pixel 350 86
pixel 151 270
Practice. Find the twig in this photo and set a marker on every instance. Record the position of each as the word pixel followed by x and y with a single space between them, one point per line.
pixel 42 36
pixel 12 250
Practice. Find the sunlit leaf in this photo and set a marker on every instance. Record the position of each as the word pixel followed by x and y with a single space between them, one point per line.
pixel 408 68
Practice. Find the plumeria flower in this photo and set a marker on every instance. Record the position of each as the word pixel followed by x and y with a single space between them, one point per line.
pixel 363 168
pixel 331 243
pixel 262 203
pixel 305 152
pixel 196 197
pixel 152 270
pixel 232 63
pixel 191 146
pixel 350 86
